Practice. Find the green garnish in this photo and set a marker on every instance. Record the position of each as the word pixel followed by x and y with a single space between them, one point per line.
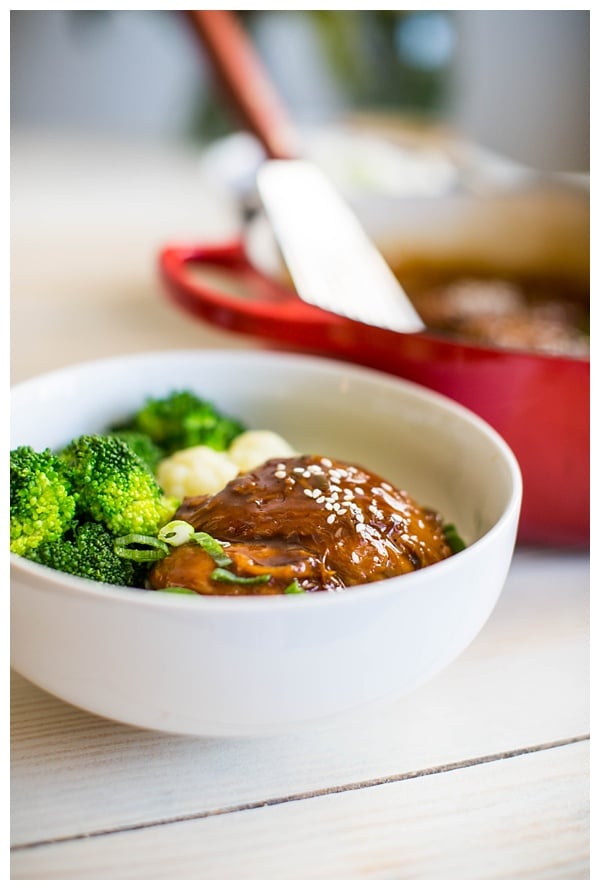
pixel 179 532
pixel 176 590
pixel 212 547
pixel 176 532
pixel 294 587
pixel 221 574
pixel 152 548
pixel 453 539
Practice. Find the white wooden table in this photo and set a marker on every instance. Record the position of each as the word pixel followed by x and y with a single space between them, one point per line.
pixel 482 773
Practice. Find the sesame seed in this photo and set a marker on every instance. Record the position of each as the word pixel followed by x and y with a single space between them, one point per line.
pixel 359 490
pixel 375 538
pixel 360 527
pixel 331 518
pixel 308 492
pixel 326 462
pixel 321 499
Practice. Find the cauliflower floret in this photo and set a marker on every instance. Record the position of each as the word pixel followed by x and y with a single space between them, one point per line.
pixel 193 471
pixel 254 447
pixel 202 470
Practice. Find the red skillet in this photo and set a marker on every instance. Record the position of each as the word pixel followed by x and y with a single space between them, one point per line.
pixel 538 403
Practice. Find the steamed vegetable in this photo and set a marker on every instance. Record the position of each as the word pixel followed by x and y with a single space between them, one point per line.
pixel 42 500
pixel 196 470
pixel 181 420
pixel 254 447
pixel 202 470
pixel 92 508
pixel 86 551
pixel 143 446
pixel 72 510
pixel 115 487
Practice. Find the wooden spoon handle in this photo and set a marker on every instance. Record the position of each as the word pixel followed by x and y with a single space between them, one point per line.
pixel 246 81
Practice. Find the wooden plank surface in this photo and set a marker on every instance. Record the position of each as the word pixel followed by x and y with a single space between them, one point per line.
pixel 521 684
pixel 522 817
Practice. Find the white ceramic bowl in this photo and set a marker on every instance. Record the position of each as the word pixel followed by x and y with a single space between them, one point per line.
pixel 251 665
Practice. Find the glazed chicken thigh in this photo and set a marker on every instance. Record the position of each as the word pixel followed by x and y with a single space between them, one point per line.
pixel 307 521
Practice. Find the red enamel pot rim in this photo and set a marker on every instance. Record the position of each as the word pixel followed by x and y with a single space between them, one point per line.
pixel 539 403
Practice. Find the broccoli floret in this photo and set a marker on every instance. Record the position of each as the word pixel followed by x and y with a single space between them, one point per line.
pixel 87 551
pixel 42 501
pixel 182 420
pixel 115 487
pixel 142 445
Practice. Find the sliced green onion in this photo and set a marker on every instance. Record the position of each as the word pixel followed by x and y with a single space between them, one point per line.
pixel 212 547
pixel 176 532
pixel 453 539
pixel 155 549
pixel 177 590
pixel 294 587
pixel 230 578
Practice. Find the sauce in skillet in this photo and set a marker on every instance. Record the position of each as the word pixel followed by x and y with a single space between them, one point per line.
pixel 536 314
pixel 309 522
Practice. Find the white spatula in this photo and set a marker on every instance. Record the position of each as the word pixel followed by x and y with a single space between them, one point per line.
pixel 330 258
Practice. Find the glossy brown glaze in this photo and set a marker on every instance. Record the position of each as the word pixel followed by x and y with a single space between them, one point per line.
pixel 324 523
pixel 535 315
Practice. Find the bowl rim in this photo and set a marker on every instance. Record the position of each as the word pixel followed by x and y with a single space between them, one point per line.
pixel 73 585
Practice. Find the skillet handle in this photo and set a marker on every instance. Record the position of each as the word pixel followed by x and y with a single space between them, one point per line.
pixel 219 284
